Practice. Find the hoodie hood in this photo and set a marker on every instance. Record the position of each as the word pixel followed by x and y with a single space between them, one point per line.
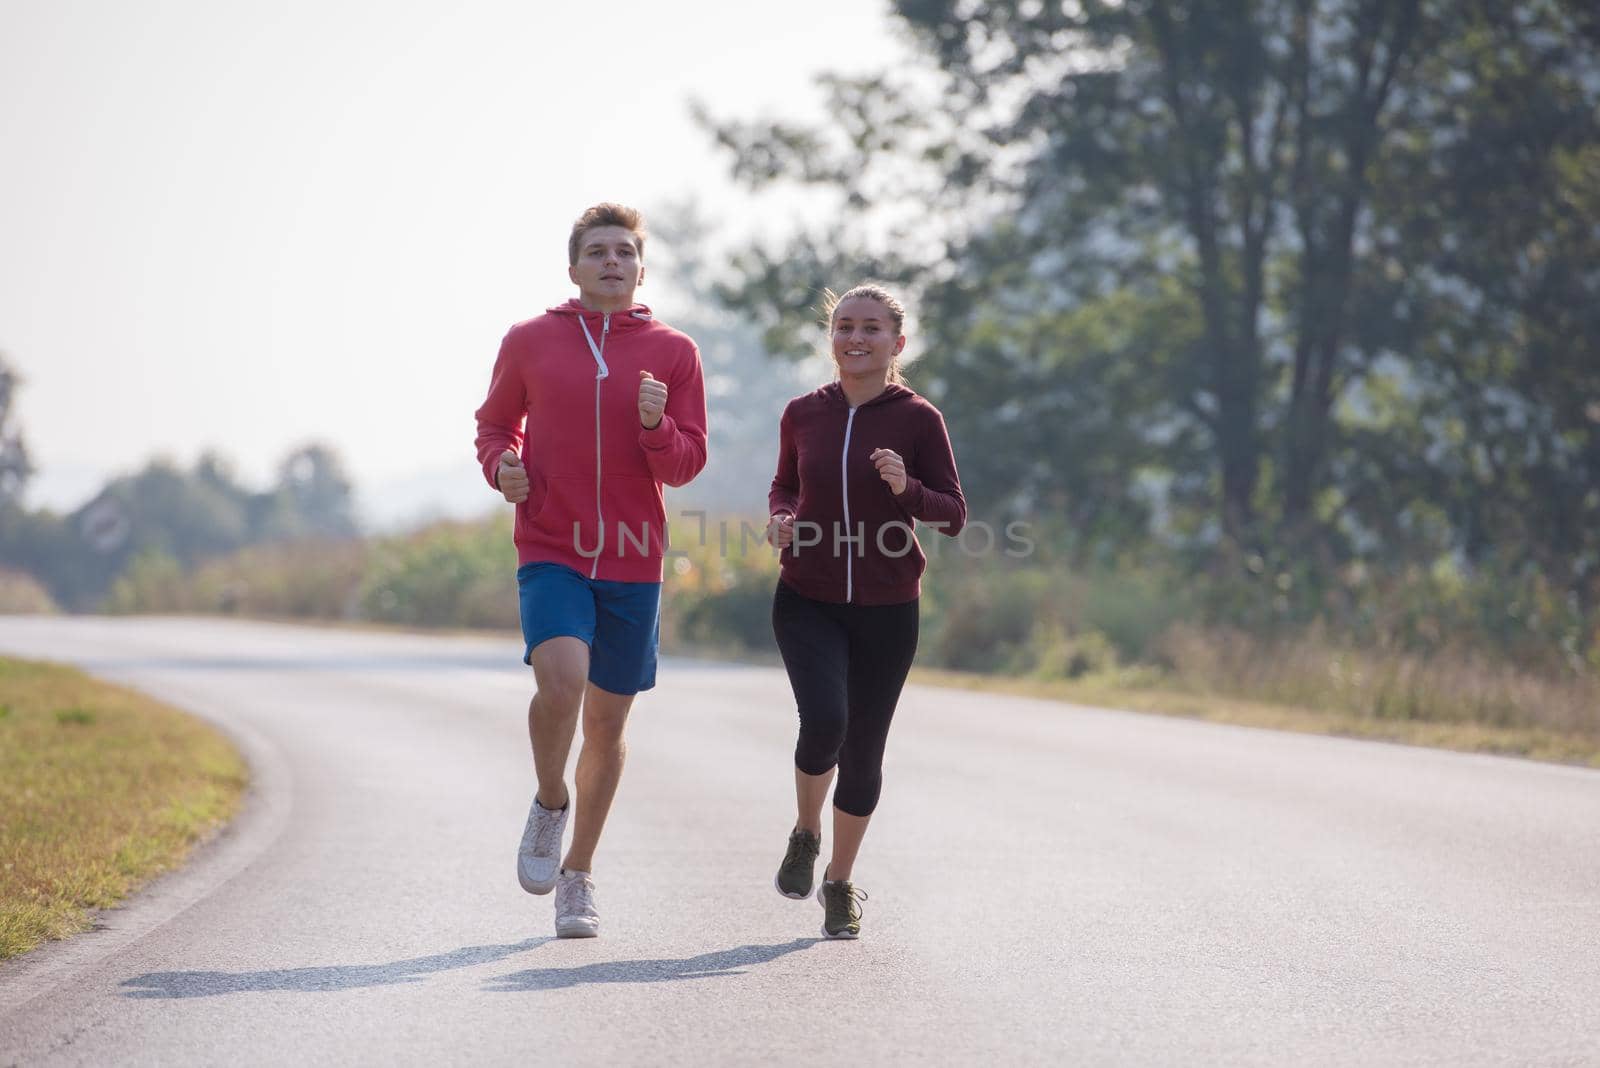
pixel 892 392
pixel 574 309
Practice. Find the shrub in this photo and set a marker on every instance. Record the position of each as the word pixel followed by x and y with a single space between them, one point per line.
pixel 447 574
pixel 22 594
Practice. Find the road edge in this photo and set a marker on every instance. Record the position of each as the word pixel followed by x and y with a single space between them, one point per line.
pixel 262 815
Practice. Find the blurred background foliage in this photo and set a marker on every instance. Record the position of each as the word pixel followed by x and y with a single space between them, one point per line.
pixel 1278 322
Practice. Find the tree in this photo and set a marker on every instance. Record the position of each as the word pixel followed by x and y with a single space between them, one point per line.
pixel 313 498
pixel 745 392
pixel 15 467
pixel 178 517
pixel 1355 237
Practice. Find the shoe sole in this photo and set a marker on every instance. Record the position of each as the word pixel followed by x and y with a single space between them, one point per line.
pixel 578 932
pixel 792 897
pixel 843 936
pixel 533 887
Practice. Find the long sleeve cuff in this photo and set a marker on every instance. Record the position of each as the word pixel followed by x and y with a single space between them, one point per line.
pixel 661 436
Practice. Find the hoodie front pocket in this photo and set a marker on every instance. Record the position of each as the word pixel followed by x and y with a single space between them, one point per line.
pixel 565 516
pixel 538 494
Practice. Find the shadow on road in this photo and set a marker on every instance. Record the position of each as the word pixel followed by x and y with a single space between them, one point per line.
pixel 706 965
pixel 316 980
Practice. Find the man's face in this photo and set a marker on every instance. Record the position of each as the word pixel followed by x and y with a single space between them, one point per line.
pixel 609 268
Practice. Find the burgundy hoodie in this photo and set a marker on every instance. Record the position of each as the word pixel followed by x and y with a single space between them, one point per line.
pixel 854 540
pixel 594 474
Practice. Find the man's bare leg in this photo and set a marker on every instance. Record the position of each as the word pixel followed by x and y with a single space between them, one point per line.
pixel 560 668
pixel 600 761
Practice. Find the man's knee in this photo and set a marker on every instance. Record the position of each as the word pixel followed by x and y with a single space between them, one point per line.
pixel 558 697
pixel 560 671
pixel 605 716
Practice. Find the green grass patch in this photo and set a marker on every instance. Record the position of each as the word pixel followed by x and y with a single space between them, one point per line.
pixel 70 716
pixel 101 788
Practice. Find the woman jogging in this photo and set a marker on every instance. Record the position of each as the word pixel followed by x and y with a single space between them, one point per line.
pixel 858 461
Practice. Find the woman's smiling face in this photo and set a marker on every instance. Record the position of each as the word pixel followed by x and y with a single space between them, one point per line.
pixel 865 338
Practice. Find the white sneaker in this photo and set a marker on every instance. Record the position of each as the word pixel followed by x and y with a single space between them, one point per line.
pixel 539 856
pixel 575 913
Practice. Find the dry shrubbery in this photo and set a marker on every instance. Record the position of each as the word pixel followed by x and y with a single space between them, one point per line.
pixel 299 580
pixel 1417 656
pixel 22 594
pixel 1450 686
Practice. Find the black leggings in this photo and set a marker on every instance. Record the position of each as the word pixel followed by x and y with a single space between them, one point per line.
pixel 847 664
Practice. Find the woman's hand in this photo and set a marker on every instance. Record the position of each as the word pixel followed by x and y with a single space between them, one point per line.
pixel 780 531
pixel 891 468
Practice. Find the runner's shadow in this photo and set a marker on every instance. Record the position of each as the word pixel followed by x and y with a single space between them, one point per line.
pixel 706 965
pixel 317 980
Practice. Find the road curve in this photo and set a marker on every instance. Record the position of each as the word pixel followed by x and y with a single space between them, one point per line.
pixel 1049 884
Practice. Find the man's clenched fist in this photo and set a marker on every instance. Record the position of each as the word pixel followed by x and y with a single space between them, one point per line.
pixel 512 478
pixel 652 400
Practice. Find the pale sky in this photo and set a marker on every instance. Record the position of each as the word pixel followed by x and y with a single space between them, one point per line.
pixel 243 226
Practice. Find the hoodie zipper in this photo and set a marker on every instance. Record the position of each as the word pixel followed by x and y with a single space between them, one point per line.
pixel 844 481
pixel 600 374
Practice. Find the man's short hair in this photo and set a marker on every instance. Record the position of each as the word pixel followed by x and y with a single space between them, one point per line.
pixel 607 214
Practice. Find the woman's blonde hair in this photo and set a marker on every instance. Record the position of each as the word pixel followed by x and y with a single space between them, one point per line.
pixel 869 291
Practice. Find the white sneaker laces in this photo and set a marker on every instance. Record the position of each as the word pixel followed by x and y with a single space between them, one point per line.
pixel 577 896
pixel 546 828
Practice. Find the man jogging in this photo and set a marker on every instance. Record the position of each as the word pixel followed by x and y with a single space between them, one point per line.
pixel 614 407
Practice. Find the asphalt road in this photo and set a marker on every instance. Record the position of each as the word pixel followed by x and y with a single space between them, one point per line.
pixel 1049 884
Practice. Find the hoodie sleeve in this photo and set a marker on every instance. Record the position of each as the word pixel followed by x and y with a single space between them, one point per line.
pixel 784 497
pixel 933 490
pixel 676 449
pixel 503 412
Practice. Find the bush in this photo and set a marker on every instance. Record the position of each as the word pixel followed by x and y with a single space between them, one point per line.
pixel 152 582
pixel 22 594
pixel 1408 645
pixel 1311 670
pixel 718 592
pixel 1053 653
pixel 301 580
pixel 447 574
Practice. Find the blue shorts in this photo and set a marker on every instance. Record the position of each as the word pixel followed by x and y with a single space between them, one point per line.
pixel 619 621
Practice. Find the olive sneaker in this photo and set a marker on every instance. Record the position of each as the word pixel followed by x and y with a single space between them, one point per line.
pixel 539 855
pixel 795 873
pixel 841 906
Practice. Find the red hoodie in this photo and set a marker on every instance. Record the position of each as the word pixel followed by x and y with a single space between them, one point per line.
pixel 854 540
pixel 594 474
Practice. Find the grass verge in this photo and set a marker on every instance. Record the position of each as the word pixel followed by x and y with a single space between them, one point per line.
pixel 1533 742
pixel 100 789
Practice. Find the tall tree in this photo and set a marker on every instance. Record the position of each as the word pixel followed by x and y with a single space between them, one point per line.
pixel 1314 177
pixel 313 497
pixel 15 468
